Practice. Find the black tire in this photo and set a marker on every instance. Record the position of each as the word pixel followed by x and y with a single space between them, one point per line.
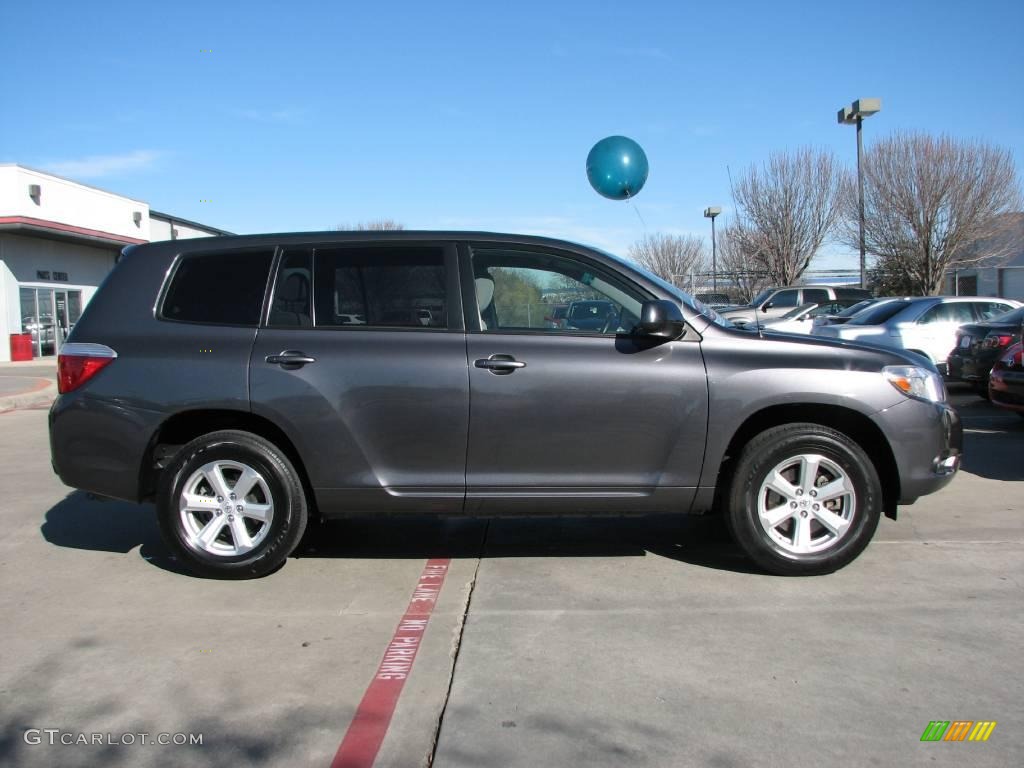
pixel 285 529
pixel 767 451
pixel 981 389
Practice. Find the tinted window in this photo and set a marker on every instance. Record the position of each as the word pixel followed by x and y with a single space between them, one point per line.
pixel 955 312
pixel 516 289
pixel 393 287
pixel 852 293
pixel 879 314
pixel 785 299
pixel 221 288
pixel 989 310
pixel 292 291
pixel 815 295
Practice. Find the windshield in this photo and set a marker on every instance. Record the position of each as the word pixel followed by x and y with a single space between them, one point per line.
pixel 879 313
pixel 858 307
pixel 798 311
pixel 762 297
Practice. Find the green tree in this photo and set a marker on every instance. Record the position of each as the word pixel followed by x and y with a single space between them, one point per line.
pixel 517 298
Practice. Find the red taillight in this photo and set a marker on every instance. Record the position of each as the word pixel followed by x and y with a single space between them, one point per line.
pixel 997 340
pixel 77 363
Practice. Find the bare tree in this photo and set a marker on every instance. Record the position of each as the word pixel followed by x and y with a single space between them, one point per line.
pixel 373 225
pixel 928 201
pixel 670 255
pixel 787 208
pixel 739 266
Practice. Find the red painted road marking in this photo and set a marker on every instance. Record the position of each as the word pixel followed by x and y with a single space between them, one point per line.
pixel 373 716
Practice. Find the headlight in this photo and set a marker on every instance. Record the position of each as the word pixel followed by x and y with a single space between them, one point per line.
pixel 916 382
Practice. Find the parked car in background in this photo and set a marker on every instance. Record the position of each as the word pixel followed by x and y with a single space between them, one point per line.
pixel 925 325
pixel 980 345
pixel 556 317
pixel 776 302
pixel 592 315
pixel 801 319
pixel 716 301
pixel 240 421
pixel 1006 380
pixel 42 332
pixel 839 318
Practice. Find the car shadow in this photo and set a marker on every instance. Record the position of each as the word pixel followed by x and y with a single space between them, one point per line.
pixel 994 454
pixel 80 521
pixel 993 440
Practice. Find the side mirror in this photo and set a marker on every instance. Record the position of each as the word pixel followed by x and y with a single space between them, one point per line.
pixel 767 305
pixel 661 319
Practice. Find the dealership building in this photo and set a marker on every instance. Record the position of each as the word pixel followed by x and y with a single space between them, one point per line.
pixel 58 240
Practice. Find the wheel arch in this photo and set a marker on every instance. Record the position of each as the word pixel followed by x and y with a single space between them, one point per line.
pixel 185 426
pixel 850 422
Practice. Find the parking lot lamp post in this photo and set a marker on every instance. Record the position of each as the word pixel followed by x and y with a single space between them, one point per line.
pixel 711 213
pixel 854 115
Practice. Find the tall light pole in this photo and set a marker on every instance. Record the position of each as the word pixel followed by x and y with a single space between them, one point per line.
pixel 854 115
pixel 710 213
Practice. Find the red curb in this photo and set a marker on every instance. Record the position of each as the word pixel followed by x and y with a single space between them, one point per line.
pixel 370 724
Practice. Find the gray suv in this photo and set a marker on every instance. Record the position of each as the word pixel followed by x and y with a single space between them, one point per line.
pixel 225 380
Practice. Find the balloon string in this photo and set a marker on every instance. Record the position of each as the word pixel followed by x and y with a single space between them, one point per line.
pixel 630 200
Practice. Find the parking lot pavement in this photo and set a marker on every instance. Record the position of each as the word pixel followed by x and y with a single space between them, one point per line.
pixel 27 384
pixel 100 634
pixel 587 642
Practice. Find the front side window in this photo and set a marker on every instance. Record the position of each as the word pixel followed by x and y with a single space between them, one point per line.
pixel 785 299
pixel 219 288
pixel 382 287
pixel 519 290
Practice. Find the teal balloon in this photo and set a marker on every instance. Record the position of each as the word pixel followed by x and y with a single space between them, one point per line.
pixel 617 168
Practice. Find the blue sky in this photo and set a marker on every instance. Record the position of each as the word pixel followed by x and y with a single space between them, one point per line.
pixel 480 115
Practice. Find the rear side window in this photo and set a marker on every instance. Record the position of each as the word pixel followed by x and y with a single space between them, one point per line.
pixel 852 293
pixel 989 310
pixel 389 287
pixel 954 312
pixel 815 295
pixel 219 288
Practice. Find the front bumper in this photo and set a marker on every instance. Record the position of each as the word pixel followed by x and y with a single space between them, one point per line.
pixel 927 443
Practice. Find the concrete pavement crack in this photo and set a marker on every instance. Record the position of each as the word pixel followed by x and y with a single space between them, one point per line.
pixel 457 647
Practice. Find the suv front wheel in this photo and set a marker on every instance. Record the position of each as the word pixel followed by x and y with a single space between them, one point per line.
pixel 231 505
pixel 804 500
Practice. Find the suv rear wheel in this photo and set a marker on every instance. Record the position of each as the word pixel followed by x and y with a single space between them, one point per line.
pixel 804 500
pixel 231 505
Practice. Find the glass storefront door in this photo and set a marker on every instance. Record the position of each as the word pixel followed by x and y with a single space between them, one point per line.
pixel 49 314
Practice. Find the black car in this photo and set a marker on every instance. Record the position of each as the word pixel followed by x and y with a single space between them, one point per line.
pixel 1006 381
pixel 979 345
